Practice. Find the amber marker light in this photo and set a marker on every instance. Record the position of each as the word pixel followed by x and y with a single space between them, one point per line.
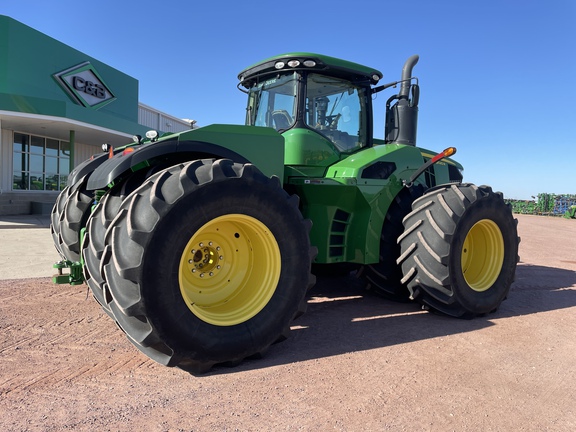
pixel 446 153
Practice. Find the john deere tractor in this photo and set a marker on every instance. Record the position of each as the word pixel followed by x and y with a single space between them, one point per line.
pixel 201 245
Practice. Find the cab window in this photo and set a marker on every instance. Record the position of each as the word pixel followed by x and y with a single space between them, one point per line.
pixel 336 109
pixel 272 103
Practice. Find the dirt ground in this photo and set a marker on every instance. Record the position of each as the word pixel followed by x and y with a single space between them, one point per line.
pixel 354 362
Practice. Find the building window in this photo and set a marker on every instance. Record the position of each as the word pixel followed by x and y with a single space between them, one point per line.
pixel 40 163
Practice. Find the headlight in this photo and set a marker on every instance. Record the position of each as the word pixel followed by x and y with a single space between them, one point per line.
pixel 152 135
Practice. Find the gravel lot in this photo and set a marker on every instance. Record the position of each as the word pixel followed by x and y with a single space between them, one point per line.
pixel 354 362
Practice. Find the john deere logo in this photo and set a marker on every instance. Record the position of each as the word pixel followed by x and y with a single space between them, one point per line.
pixel 84 85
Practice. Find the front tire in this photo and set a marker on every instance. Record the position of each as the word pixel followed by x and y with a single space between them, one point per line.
pixel 385 277
pixel 459 250
pixel 207 262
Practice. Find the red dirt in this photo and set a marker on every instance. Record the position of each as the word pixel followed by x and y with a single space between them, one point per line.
pixel 353 362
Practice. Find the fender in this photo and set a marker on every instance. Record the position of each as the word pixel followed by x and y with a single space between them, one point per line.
pixel 86 167
pixel 171 151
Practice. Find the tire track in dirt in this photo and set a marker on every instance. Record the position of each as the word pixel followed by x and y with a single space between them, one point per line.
pixel 99 372
pixel 41 334
pixel 64 323
pixel 17 293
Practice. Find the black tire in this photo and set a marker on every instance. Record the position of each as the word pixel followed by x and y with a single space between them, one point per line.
pixel 459 250
pixel 98 222
pixel 69 216
pixel 55 218
pixel 178 221
pixel 384 277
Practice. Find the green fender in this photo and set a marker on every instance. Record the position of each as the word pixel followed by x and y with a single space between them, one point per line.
pixel 263 147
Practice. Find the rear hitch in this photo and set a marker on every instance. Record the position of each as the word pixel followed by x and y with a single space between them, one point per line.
pixel 74 277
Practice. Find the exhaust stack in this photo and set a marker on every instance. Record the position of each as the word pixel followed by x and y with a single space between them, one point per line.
pixel 402 116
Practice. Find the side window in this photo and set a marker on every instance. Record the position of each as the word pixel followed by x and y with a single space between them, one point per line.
pixel 336 109
pixel 272 103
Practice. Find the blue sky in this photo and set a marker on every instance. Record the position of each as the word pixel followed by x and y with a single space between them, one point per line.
pixel 496 76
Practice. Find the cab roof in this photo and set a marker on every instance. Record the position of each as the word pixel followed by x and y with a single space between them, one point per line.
pixel 318 63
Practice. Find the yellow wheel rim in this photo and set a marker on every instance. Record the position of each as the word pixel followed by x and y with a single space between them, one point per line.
pixel 229 269
pixel 482 255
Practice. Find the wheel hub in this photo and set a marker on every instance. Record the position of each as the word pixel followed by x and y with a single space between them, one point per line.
pixel 206 259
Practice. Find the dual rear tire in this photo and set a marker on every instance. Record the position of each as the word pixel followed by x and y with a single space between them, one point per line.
pixel 206 262
pixel 69 215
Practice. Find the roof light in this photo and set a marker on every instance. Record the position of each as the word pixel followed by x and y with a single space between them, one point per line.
pixel 294 63
pixel 279 65
pixel 137 139
pixel 309 63
pixel 127 151
pixel 375 77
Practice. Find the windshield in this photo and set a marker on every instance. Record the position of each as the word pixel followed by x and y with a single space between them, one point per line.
pixel 272 103
pixel 336 109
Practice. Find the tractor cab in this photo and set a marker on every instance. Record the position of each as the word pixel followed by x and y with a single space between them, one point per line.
pixel 321 105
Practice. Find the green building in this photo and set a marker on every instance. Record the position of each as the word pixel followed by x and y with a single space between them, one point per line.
pixel 57 107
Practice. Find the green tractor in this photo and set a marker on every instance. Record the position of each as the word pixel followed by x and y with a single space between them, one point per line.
pixel 202 245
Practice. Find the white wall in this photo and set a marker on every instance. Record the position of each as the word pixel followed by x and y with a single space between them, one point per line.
pixel 157 120
pixel 5 160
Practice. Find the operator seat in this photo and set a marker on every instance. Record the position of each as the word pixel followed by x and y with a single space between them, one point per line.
pixel 281 119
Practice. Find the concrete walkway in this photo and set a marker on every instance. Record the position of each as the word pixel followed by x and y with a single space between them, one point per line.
pixel 26 247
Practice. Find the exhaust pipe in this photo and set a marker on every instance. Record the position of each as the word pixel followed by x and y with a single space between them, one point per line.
pixel 402 117
pixel 406 75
